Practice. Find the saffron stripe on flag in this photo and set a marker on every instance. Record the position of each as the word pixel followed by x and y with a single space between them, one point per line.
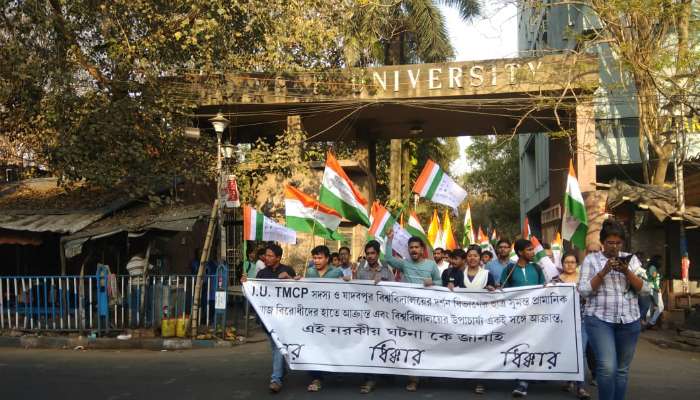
pixel 426 177
pixel 247 226
pixel 380 220
pixel 292 193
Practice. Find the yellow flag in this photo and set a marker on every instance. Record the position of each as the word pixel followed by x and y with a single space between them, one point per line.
pixel 450 242
pixel 434 228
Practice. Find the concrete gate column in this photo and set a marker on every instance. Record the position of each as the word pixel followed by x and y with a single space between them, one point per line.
pixel 585 165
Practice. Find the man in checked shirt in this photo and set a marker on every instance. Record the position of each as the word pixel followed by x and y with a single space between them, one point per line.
pixel 610 282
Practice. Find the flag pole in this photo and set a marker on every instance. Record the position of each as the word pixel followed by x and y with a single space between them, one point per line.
pixel 313 227
pixel 313 240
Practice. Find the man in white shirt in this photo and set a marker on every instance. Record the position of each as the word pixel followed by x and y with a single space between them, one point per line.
pixel 441 259
pixel 260 263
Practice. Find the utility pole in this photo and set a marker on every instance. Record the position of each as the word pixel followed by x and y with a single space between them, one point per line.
pixel 680 154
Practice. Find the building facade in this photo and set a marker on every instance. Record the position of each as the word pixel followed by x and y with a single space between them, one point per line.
pixel 546 28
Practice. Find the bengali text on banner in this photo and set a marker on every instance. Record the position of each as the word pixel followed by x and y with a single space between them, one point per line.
pixel 531 333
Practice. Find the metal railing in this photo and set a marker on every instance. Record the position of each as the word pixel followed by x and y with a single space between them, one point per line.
pixel 75 303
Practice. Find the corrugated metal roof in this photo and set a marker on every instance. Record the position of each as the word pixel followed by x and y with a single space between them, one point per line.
pixel 143 218
pixel 57 223
pixel 660 201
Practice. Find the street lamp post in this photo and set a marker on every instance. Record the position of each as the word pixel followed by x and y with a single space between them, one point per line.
pixel 220 124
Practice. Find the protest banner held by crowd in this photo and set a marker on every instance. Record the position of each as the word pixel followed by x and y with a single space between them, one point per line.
pixel 420 305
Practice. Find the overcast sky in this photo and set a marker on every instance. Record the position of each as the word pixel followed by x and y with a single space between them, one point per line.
pixel 494 35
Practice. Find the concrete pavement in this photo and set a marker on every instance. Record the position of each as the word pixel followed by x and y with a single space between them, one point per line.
pixel 242 372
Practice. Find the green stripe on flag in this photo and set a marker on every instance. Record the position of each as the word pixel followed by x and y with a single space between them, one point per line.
pixel 578 239
pixel 578 211
pixel 259 223
pixel 434 184
pixel 300 224
pixel 415 232
pixel 347 211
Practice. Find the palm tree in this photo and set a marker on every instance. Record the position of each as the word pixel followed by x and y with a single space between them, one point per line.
pixel 390 32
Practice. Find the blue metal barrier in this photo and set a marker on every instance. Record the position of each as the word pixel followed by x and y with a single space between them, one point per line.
pixel 75 303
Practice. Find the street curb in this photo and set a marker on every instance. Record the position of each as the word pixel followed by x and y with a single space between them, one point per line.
pixel 84 343
pixel 672 344
pixel 9 341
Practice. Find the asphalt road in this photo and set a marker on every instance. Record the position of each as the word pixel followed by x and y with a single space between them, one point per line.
pixel 243 373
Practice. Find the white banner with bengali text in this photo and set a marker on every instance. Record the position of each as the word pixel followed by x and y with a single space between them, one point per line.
pixel 529 333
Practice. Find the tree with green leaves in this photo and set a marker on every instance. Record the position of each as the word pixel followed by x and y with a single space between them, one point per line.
pixel 391 32
pixel 493 183
pixel 656 44
pixel 82 82
pixel 394 32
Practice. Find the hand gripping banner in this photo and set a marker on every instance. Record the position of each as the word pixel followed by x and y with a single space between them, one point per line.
pixel 530 333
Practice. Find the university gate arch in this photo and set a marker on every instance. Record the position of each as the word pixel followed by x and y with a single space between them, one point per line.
pixel 504 96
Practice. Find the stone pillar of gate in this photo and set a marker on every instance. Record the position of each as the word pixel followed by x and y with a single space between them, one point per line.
pixel 365 155
pixel 395 158
pixel 585 165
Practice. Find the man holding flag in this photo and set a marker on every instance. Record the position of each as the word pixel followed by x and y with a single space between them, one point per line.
pixel 416 269
pixel 274 270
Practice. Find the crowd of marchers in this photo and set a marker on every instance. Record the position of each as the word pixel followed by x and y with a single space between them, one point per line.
pixel 611 284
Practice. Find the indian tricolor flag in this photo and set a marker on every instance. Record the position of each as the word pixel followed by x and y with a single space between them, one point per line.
pixel 258 227
pixel 527 232
pixel 339 193
pixel 483 240
pixel 541 258
pixel 556 251
pixel 468 228
pixel 434 185
pixel 381 220
pixel 494 237
pixel 304 214
pixel 415 229
pixel 574 221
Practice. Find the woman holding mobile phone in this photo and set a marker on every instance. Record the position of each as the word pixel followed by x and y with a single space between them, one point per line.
pixel 610 284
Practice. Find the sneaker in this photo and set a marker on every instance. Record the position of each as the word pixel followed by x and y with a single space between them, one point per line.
pixel 582 394
pixel 275 387
pixel 520 391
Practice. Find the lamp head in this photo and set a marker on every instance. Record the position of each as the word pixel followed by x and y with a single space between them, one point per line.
pixel 219 122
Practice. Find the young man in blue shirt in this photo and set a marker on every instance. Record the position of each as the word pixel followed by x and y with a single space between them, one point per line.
pixel 501 261
pixel 522 273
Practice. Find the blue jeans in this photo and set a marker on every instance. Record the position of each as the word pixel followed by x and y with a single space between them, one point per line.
pixel 658 307
pixel 277 363
pixel 613 346
pixel 644 301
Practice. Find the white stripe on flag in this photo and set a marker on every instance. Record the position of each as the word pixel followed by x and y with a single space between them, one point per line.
pixel 295 208
pixel 339 187
pixel 253 225
pixel 429 181
pixel 382 224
